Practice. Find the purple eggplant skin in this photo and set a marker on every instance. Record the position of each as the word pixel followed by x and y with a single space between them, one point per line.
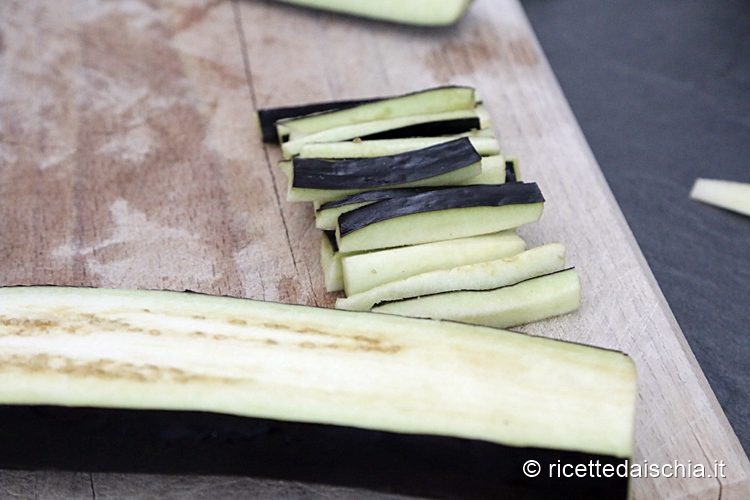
pixel 441 199
pixel 177 442
pixel 368 173
pixel 269 116
pixel 331 235
pixel 510 172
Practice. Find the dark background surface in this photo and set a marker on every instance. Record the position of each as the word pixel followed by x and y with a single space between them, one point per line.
pixel 661 89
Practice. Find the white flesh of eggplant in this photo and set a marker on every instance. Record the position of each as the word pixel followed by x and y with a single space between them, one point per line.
pixel 485 146
pixel 493 172
pixel 480 276
pixel 330 259
pixel 437 100
pixel 346 132
pixel 368 270
pixel 532 300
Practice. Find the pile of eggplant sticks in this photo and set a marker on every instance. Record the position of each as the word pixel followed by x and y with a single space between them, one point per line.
pixel 418 209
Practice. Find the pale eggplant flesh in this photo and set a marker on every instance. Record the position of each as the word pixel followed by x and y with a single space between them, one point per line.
pixel 429 101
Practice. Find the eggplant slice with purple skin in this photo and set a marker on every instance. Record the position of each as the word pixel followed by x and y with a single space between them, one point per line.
pixel 442 214
pixel 442 164
pixel 383 171
pixel 429 101
pixel 152 381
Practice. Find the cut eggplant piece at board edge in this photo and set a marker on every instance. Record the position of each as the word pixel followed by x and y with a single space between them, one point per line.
pixel 306 415
pixel 729 195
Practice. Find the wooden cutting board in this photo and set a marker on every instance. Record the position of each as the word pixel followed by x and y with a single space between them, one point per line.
pixel 130 157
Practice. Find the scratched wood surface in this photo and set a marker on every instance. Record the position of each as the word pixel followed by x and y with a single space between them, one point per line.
pixel 130 157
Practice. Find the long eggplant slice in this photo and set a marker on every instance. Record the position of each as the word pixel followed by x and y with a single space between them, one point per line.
pixel 482 140
pixel 481 276
pixel 435 100
pixel 314 179
pixel 443 214
pixel 97 379
pixel 383 170
pixel 531 300
pixel 268 117
pixel 415 12
pixel 369 270
pixel 433 124
pixel 734 196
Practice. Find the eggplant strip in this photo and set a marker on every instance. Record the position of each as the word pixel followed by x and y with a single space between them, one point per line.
pixel 435 100
pixel 489 275
pixel 368 270
pixel 483 141
pixel 532 300
pixel 381 171
pixel 433 124
pixel 442 214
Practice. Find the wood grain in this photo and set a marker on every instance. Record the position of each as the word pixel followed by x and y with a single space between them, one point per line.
pixel 130 157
